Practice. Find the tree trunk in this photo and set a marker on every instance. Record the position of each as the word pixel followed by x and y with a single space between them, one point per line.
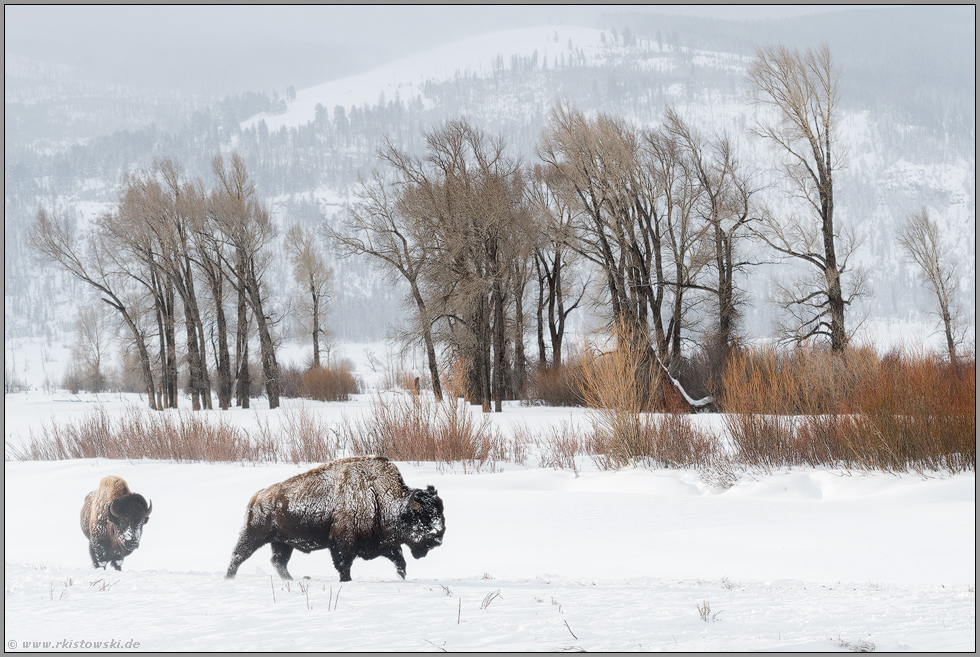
pixel 430 349
pixel 481 355
pixel 244 387
pixel 316 323
pixel 163 400
pixel 499 365
pixel 838 336
pixel 193 363
pixel 197 348
pixel 270 367
pixel 556 318
pixel 542 355
pixel 520 360
pixel 675 334
pixel 835 298
pixel 948 324
pixel 170 323
pixel 144 353
pixel 223 359
pixel 243 383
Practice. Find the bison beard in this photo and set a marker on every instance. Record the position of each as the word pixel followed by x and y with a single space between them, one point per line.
pixel 112 519
pixel 356 507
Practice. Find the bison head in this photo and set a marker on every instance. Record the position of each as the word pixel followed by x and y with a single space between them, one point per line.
pixel 425 521
pixel 128 514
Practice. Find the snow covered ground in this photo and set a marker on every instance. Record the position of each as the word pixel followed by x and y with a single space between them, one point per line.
pixel 533 559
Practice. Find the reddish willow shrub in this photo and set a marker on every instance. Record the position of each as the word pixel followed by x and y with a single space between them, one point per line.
pixel 905 411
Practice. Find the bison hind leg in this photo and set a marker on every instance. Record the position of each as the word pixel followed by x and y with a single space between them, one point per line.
pixel 280 557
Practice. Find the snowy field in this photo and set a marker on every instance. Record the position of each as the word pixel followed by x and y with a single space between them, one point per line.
pixel 533 559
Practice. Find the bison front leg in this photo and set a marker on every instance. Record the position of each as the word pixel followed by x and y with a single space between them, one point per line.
pixel 117 564
pixel 395 554
pixel 342 561
pixel 280 557
pixel 96 561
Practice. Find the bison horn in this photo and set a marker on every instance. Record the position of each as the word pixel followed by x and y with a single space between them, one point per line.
pixel 149 509
pixel 413 501
pixel 112 509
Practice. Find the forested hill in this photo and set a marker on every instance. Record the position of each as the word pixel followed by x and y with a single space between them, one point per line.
pixel 907 92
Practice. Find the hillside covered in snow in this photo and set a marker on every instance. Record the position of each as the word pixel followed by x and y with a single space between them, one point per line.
pixel 907 129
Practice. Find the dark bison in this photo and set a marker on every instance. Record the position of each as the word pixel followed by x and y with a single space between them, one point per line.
pixel 112 520
pixel 356 507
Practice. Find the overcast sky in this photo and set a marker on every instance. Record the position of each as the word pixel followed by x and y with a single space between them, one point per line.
pixel 36 25
pixel 228 48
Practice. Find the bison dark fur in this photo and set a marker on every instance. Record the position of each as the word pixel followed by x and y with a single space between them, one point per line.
pixel 112 520
pixel 355 507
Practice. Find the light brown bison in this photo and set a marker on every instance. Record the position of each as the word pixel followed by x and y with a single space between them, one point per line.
pixel 112 520
pixel 355 507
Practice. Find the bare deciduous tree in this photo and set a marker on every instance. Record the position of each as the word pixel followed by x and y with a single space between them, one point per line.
pixel 555 263
pixel 452 225
pixel 163 206
pixel 247 228
pixel 133 246
pixel 922 243
pixel 633 198
pixel 211 254
pixel 53 238
pixel 314 277
pixel 667 175
pixel 614 226
pixel 471 198
pixel 93 339
pixel 799 93
pixel 724 207
pixel 377 227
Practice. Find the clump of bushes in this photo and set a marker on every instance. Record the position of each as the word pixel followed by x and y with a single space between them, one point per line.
pixel 905 411
pixel 559 385
pixel 621 388
pixel 334 383
pixel 415 427
pixel 179 436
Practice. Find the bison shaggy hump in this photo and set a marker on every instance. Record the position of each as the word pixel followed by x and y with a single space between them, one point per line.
pixel 355 507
